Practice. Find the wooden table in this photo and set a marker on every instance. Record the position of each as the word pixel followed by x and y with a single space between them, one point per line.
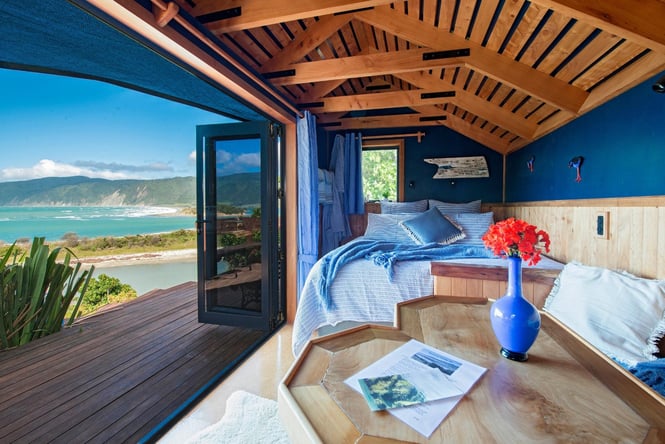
pixel 566 392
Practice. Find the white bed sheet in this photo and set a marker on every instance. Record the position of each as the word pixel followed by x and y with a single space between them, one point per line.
pixel 361 292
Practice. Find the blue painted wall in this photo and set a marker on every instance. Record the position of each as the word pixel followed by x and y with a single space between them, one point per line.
pixel 437 142
pixel 623 145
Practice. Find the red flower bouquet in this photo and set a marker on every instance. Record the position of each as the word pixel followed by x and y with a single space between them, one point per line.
pixel 515 237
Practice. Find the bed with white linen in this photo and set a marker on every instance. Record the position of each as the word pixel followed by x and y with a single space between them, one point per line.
pixel 365 292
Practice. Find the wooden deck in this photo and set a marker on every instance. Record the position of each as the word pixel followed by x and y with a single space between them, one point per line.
pixel 118 376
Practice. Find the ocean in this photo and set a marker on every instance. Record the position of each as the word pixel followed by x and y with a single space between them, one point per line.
pixel 54 222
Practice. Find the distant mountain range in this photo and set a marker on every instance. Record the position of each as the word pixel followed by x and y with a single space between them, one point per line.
pixel 237 189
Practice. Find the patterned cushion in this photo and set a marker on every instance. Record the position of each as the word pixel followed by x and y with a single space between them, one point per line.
pixel 385 227
pixel 432 226
pixel 417 206
pixel 455 208
pixel 475 225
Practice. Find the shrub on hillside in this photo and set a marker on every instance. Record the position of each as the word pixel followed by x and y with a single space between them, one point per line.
pixel 105 290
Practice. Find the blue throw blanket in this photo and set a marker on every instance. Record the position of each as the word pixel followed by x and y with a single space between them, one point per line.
pixel 651 373
pixel 385 254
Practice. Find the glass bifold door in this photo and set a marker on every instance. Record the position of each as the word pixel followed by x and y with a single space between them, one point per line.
pixel 239 224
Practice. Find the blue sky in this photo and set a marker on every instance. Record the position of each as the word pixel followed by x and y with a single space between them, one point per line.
pixel 59 126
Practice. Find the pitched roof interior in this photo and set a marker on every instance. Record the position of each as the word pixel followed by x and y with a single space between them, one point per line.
pixel 502 72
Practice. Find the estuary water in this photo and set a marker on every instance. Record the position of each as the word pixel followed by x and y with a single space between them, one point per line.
pixel 54 222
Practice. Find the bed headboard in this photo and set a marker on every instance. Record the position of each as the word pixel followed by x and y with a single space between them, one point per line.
pixel 358 222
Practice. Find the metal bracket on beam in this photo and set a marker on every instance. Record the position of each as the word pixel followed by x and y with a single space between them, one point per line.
pixel 220 15
pixel 435 55
pixel 311 105
pixel 377 87
pixel 277 74
pixel 438 94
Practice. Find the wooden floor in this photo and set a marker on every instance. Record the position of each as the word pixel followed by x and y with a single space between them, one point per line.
pixel 117 376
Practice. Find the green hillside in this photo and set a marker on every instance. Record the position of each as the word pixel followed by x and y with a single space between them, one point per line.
pixel 85 191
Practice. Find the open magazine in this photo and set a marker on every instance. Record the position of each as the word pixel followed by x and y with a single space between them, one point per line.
pixel 417 383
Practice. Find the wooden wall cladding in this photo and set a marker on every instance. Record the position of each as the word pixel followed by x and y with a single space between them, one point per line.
pixel 636 231
pixel 489 282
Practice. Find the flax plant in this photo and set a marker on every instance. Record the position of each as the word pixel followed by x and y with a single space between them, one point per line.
pixel 35 292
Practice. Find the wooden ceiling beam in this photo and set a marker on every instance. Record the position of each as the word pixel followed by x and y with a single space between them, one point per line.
pixel 474 104
pixel 395 99
pixel 640 22
pixel 366 65
pixel 257 13
pixel 314 92
pixel 392 121
pixel 307 42
pixel 482 137
pixel 502 68
pixel 328 118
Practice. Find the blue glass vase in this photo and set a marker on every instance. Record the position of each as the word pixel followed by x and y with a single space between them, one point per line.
pixel 515 321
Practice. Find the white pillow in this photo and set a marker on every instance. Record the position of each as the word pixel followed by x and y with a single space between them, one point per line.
pixel 416 206
pixel 475 225
pixel 455 208
pixel 385 227
pixel 619 313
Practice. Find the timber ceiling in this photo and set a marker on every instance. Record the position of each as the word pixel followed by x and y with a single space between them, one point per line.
pixel 501 72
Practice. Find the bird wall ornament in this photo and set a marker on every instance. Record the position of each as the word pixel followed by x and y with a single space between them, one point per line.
pixel 529 163
pixel 576 162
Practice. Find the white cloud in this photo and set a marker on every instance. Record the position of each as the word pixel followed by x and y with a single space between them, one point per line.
pixel 192 156
pixel 51 168
pixel 249 159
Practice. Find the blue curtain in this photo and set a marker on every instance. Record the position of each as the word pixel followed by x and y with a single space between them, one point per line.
pixel 308 196
pixel 353 174
pixel 346 165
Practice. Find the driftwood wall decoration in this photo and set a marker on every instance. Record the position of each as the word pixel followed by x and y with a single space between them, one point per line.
pixel 459 167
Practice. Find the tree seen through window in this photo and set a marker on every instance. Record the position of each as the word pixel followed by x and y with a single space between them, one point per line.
pixel 380 174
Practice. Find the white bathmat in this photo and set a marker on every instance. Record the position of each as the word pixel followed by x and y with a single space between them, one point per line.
pixel 248 419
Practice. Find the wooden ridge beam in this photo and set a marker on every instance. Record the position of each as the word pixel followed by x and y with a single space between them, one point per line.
pixel 515 74
pixel 474 104
pixel 365 65
pixel 257 13
pixel 641 22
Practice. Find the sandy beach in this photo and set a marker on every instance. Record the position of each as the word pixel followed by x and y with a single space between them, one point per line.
pixel 142 258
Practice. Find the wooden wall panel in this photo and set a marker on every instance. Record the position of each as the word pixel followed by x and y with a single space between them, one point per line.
pixel 636 241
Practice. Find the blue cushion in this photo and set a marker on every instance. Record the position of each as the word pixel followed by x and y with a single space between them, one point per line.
pixel 475 225
pixel 417 206
pixel 455 208
pixel 432 226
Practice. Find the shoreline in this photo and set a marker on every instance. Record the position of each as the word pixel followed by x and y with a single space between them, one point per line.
pixel 121 260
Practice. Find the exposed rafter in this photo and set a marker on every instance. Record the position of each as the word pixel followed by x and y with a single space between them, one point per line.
pixel 257 13
pixel 521 69
pixel 641 22
pixel 510 72
pixel 364 66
